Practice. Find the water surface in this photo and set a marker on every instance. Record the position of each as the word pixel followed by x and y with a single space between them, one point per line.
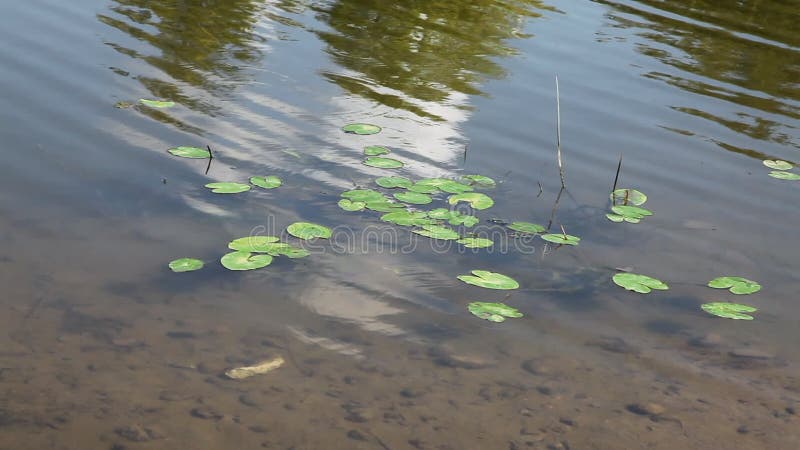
pixel 105 348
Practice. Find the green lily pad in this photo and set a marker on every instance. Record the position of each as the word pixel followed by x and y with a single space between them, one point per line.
pixel 441 213
pixel 290 252
pixel 385 206
pixel 489 280
pixel 617 219
pixel 157 103
pixel 245 260
pixel 736 285
pixel 480 180
pixel 394 182
pixel 454 187
pixel 375 150
pixel 185 265
pixel 363 195
pixel 256 244
pixel 493 312
pixel 734 311
pixel 437 232
pixel 228 188
pixel 269 182
pixel 784 175
pixel 639 283
pixel 413 197
pixel 190 152
pixel 472 242
pixel 361 128
pixel 423 189
pixel 348 205
pixel 475 199
pixel 561 239
pixel 527 227
pixel 628 197
pixel 306 230
pixel 407 218
pixel 382 163
pixel 463 219
pixel 777 164
pixel 631 212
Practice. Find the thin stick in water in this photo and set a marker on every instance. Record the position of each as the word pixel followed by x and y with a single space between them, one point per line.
pixel 616 178
pixel 540 189
pixel 558 135
pixel 210 157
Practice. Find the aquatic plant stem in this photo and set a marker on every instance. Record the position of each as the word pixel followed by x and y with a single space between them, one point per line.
pixel 616 178
pixel 558 136
pixel 210 157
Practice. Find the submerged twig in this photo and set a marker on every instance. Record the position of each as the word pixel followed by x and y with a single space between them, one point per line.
pixel 541 190
pixel 466 147
pixel 558 136
pixel 616 178
pixel 210 157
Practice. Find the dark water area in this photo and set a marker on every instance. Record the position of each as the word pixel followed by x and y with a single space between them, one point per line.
pixel 103 347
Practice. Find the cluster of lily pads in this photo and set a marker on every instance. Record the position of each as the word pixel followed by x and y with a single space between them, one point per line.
pixel 644 284
pixel 403 208
pixel 626 206
pixel 780 169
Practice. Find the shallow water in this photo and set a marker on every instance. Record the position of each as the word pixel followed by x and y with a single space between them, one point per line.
pixel 105 348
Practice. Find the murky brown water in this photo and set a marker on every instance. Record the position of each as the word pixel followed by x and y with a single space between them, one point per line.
pixel 104 348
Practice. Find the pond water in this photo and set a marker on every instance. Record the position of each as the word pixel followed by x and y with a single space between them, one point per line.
pixel 103 347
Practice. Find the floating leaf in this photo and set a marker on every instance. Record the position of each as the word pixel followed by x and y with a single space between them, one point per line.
pixel 413 197
pixel 382 163
pixel 480 179
pixel 361 128
pixel 185 265
pixel 617 219
pixel 639 283
pixel 630 214
pixel 472 242
pixel 256 244
pixel 777 164
pixel 463 219
pixel 437 232
pixel 269 182
pixel 228 188
pixel 435 182
pixel 190 152
pixel 385 206
pixel 784 175
pixel 349 205
pixel 423 189
pixel 290 252
pixel 407 218
pixel 363 195
pixel 628 197
pixel 729 310
pixel 375 150
pixel 454 187
pixel 493 312
pixel 475 199
pixel 157 103
pixel 527 227
pixel 394 182
pixel 245 261
pixel 440 213
pixel 489 280
pixel 557 238
pixel 306 230
pixel 736 285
